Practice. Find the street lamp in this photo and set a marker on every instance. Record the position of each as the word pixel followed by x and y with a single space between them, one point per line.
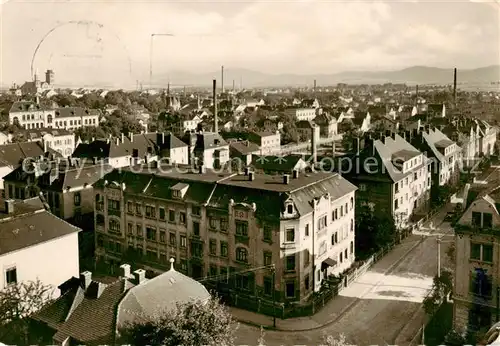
pixel 151 57
pixel 273 271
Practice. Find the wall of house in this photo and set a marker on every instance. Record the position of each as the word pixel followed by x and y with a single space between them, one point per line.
pixel 179 155
pixel 209 159
pixel 4 170
pixel 52 262
pixel 69 209
pixel 31 119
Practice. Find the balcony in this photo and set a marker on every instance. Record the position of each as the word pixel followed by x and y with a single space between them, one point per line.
pixel 288 245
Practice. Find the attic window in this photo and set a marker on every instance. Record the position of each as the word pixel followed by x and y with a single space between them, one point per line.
pixel 289 209
pixel 216 141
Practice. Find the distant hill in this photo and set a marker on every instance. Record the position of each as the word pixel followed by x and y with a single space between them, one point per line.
pixel 410 75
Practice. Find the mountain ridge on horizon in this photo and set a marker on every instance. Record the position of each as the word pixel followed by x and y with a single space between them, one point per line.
pixel 418 74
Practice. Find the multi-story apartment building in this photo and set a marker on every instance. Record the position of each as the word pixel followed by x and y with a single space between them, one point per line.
pixel 487 137
pixel 477 263
pixel 445 154
pixel 269 142
pixel 32 115
pixel 327 124
pixel 216 224
pixel 391 174
pixel 134 149
pixel 302 113
pixel 36 245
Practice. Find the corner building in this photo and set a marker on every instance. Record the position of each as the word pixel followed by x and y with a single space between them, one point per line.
pixel 217 224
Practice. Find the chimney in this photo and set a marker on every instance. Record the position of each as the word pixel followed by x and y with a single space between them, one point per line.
pixel 357 145
pixel 172 260
pixel 85 279
pixel 295 174
pixel 247 170
pixel 251 176
pixel 393 135
pixel 286 179
pixel 123 138
pixel 455 86
pixel 202 169
pixel 93 139
pixel 118 141
pixel 131 137
pixel 125 268
pixel 314 86
pixel 140 276
pixel 162 138
pixel 216 120
pixel 222 79
pixel 314 149
pixel 9 206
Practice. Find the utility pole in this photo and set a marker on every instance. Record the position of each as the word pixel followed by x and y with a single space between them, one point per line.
pixel 273 270
pixel 439 255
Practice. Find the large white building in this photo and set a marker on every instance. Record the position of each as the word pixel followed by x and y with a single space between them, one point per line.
pixel 59 140
pixel 302 113
pixel 31 115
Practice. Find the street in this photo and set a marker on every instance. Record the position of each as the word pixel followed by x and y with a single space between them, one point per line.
pixel 385 299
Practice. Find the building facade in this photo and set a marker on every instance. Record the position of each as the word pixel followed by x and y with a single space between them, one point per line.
pixel 216 225
pixel 302 113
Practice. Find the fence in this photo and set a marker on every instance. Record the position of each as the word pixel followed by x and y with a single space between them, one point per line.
pixel 331 288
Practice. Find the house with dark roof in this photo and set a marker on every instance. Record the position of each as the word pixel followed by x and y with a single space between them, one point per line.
pixel 13 155
pixel 445 154
pixel 327 125
pixel 59 140
pixel 269 142
pixel 90 312
pixel 391 174
pixel 222 223
pixel 207 149
pixel 436 110
pixel 134 149
pixel 35 244
pixel 243 150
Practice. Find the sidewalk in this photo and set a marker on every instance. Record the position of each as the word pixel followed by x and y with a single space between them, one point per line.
pixel 336 307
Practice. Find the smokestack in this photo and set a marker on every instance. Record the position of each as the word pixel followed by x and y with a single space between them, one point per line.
pixel 314 152
pixel 314 85
pixel 184 91
pixel 455 85
pixel 216 120
pixel 416 95
pixel 233 86
pixel 222 78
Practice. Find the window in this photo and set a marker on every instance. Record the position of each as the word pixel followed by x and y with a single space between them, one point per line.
pixel 481 283
pixel 241 254
pixel 77 199
pixel 138 209
pixel 213 270
pixel 114 226
pixel 352 203
pixel 139 231
pixel 268 235
pixel 151 255
pixel 213 222
pixel 130 229
pixel 476 219
pixel 307 282
pixel 322 222
pixel 150 211
pixel 172 239
pixel 290 235
pixel 334 238
pixel 268 286
pixel 213 247
pixel 113 204
pixel 130 207
pixel 396 204
pixel 171 216
pixel 481 252
pixel 223 249
pixel 341 210
pixel 362 187
pixel 196 210
pixel 11 276
pixel 162 236
pixel 99 219
pixel 223 224
pixel 290 289
pixel 352 247
pixel 268 258
pixel 352 225
pixel 150 233
pixel 290 262
pixel 307 230
pixel 163 257
pixel 345 254
pixel 162 214
pixel 289 209
pixel 183 241
pixel 182 218
pixel 196 228
pixel 242 228
pixel 341 257
pixel 487 220
pixel 196 249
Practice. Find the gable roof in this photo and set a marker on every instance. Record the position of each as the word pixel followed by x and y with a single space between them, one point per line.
pixel 14 154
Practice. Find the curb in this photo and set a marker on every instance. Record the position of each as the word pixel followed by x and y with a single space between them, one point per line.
pixel 341 313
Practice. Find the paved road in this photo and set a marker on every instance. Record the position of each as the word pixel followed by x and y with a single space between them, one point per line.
pixel 385 303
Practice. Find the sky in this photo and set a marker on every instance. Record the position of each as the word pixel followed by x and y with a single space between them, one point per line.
pixel 111 40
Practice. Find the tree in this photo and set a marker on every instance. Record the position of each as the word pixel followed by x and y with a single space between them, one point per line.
pixel 375 229
pixel 441 288
pixel 191 323
pixel 17 303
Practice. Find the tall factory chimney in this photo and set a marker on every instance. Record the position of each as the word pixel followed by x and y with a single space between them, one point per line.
pixel 416 95
pixel 216 118
pixel 314 149
pixel 168 95
pixel 222 78
pixel 233 86
pixel 314 85
pixel 455 86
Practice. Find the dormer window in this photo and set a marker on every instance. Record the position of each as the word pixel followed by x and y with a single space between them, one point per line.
pixel 289 208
